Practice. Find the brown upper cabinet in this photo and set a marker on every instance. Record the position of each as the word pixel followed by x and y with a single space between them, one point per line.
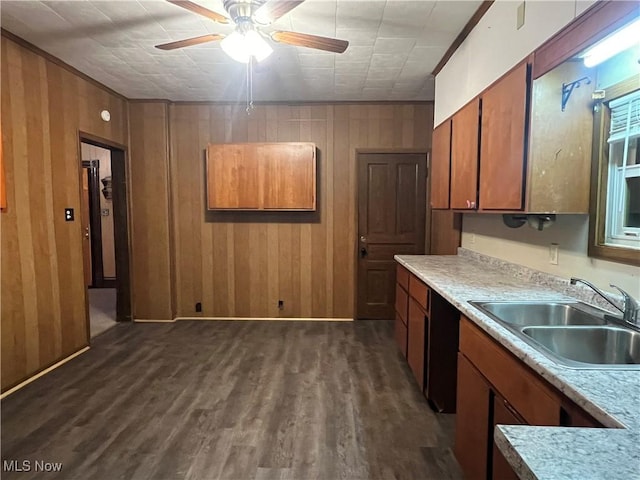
pixel 502 141
pixel 441 165
pixel 464 157
pixel 261 176
pixel 516 150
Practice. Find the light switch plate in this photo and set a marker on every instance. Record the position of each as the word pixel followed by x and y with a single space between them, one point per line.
pixel 520 16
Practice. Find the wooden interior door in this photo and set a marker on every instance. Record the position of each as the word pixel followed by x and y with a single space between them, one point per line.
pixel 92 229
pixel 391 220
pixel 86 233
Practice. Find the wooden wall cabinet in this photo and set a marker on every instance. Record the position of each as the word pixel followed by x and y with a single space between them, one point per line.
pixel 261 176
pixel 502 141
pixel 441 165
pixel 514 150
pixel 496 388
pixel 464 157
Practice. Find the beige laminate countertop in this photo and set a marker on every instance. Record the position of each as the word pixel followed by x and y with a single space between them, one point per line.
pixel 610 396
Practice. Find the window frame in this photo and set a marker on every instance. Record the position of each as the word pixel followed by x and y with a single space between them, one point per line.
pixel 600 173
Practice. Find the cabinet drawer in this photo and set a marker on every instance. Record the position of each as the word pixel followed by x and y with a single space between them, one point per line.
pixel 401 335
pixel 402 303
pixel 532 399
pixel 419 291
pixel 402 276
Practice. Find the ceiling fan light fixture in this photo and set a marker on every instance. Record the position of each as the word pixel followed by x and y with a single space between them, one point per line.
pixel 241 46
pixel 257 45
pixel 233 45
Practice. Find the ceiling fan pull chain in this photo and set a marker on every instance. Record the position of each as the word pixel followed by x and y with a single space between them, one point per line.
pixel 251 77
pixel 247 89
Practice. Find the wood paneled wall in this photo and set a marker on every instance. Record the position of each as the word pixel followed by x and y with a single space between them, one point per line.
pixel 235 264
pixel 150 211
pixel 240 264
pixel 44 313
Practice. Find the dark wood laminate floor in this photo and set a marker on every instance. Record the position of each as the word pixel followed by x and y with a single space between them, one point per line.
pixel 231 400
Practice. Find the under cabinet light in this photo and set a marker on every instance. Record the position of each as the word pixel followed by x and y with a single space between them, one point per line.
pixel 619 41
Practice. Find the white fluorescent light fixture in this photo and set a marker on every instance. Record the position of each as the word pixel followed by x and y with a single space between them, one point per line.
pixel 242 46
pixel 621 40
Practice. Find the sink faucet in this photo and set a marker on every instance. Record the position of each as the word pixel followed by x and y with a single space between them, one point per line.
pixel 630 307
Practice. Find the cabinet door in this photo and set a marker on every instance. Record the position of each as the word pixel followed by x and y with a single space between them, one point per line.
pixel 401 335
pixel 232 177
pixel 441 165
pixel 416 341
pixel 503 414
pixel 502 152
pixel 464 157
pixel 289 176
pixel 472 421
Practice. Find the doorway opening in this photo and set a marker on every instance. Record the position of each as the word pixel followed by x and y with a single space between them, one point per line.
pixel 391 221
pixel 105 231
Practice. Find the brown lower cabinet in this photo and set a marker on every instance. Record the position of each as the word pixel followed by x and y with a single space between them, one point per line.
pixel 503 414
pixel 417 341
pixel 472 420
pixel 496 388
pixel 426 331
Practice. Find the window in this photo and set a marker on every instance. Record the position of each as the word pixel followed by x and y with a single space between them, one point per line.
pixel 622 224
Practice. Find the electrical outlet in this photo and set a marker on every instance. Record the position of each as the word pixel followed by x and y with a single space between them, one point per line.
pixel 473 238
pixel 280 304
pixel 553 253
pixel 198 307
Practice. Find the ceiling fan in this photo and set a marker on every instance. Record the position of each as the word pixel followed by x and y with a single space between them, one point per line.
pixel 247 41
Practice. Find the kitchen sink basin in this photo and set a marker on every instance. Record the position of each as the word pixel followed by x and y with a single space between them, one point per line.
pixel 573 334
pixel 542 313
pixel 593 345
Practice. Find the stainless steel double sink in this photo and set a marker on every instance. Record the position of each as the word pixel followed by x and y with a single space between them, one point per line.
pixel 573 334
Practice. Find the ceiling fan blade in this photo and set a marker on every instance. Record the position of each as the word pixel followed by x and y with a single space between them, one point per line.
pixel 311 41
pixel 274 9
pixel 190 41
pixel 205 12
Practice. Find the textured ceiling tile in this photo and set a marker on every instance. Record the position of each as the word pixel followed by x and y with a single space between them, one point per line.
pixel 383 60
pixel 317 61
pixel 394 45
pixel 356 37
